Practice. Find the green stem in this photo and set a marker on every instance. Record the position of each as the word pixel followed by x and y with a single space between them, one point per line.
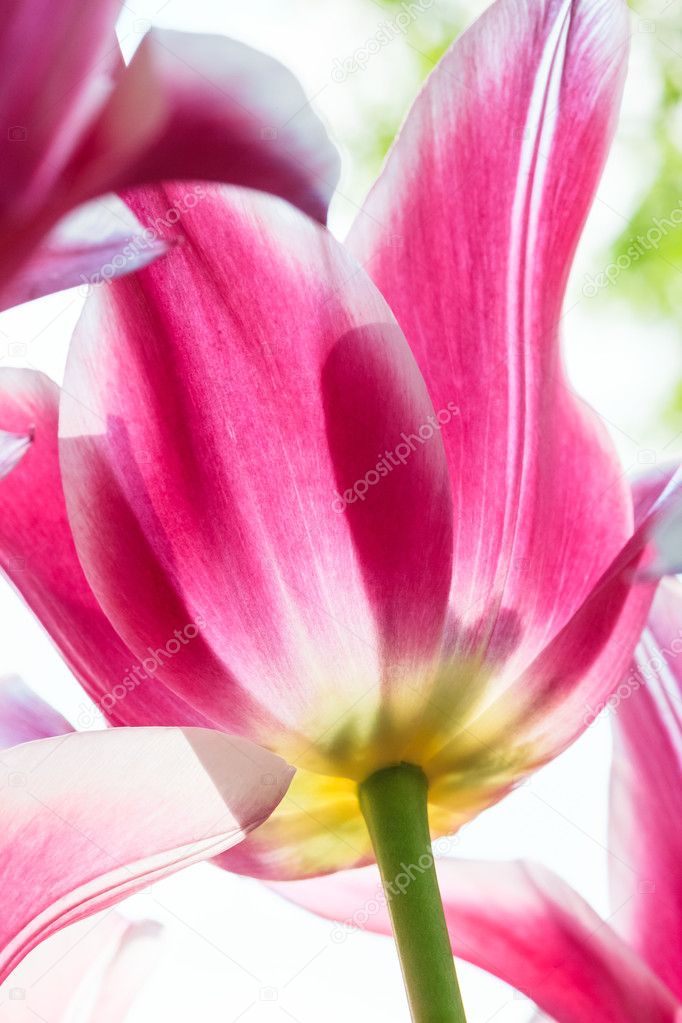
pixel 393 802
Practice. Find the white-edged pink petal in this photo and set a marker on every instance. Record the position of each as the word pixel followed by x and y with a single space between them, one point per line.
pixel 222 418
pixel 37 553
pixel 469 233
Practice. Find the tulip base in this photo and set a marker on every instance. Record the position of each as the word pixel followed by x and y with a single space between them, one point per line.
pixel 393 802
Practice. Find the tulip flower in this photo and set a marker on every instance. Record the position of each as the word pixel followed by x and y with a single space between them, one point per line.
pixel 526 925
pixel 340 501
pixel 77 124
pixel 91 972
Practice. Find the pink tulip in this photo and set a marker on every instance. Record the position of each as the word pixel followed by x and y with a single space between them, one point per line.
pixel 529 927
pixel 465 607
pixel 77 124
pixel 92 972
pixel 341 501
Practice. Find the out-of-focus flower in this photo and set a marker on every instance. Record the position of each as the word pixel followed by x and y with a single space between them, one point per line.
pixel 91 972
pixel 76 124
pixel 529 927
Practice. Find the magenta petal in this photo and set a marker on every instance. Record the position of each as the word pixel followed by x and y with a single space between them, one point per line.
pixel 569 684
pixel 99 241
pixel 91 817
pixel 469 234
pixel 38 555
pixel 646 794
pixel 133 959
pixel 521 923
pixel 24 716
pixel 238 392
pixel 209 108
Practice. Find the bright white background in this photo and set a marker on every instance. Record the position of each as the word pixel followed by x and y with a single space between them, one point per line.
pixel 233 951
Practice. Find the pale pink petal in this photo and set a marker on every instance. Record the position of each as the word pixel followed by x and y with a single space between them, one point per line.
pixel 216 406
pixel 24 716
pixel 91 817
pixel 38 555
pixel 521 923
pixel 646 793
pixel 101 240
pixel 469 233
pixel 59 979
pixel 134 959
pixel 210 108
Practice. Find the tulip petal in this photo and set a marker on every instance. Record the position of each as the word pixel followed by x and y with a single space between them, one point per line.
pixel 38 555
pixel 486 191
pixel 88 960
pixel 94 816
pixel 646 800
pixel 521 923
pixel 99 241
pixel 326 612
pixel 133 960
pixel 565 688
pixel 24 716
pixel 209 108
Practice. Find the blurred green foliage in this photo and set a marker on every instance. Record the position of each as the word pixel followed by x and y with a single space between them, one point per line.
pixel 427 37
pixel 654 278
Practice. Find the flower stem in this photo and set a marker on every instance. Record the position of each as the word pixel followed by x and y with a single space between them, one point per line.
pixel 393 802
